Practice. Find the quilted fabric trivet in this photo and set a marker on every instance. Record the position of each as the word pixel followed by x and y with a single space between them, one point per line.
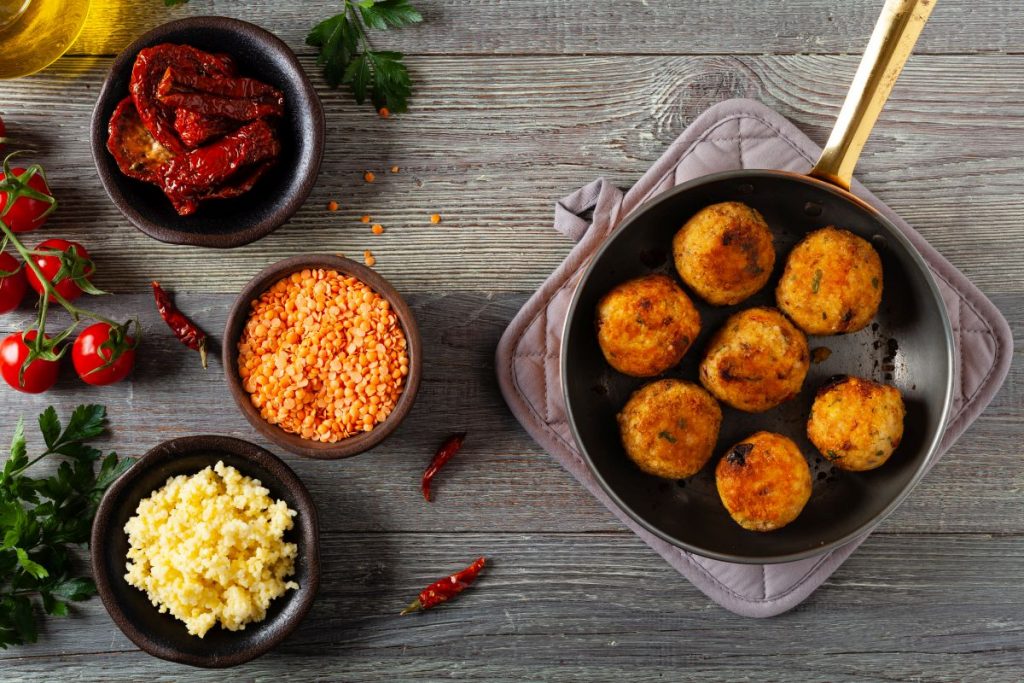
pixel 732 134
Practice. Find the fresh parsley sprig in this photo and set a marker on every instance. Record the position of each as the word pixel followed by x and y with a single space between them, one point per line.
pixel 42 519
pixel 346 57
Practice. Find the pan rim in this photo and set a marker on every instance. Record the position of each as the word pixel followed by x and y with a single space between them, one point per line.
pixel 933 442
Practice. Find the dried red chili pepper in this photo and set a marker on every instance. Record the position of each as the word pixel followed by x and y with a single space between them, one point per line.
pixel 187 332
pixel 444 453
pixel 191 177
pixel 446 589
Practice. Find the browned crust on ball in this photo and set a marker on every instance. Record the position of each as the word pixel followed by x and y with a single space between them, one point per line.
pixel 669 428
pixel 832 283
pixel 646 325
pixel 724 253
pixel 856 423
pixel 764 481
pixel 755 361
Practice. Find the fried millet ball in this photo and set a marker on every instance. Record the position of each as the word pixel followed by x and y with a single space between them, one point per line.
pixel 856 423
pixel 832 283
pixel 669 428
pixel 756 361
pixel 724 253
pixel 763 481
pixel 645 325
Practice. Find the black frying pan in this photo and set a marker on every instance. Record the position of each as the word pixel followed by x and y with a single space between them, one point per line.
pixel 909 345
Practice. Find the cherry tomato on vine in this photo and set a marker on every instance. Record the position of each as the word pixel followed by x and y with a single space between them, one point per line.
pixel 93 350
pixel 13 286
pixel 40 374
pixel 50 264
pixel 27 213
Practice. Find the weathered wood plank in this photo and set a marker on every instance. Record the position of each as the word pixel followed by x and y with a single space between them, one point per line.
pixel 599 26
pixel 502 481
pixel 596 606
pixel 492 142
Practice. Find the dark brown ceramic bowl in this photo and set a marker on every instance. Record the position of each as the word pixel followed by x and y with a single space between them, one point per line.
pixel 239 314
pixel 161 635
pixel 277 196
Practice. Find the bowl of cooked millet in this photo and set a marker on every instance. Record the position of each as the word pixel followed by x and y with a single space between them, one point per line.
pixel 206 552
pixel 322 356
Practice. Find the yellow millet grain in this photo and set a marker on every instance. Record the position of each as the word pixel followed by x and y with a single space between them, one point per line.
pixel 323 356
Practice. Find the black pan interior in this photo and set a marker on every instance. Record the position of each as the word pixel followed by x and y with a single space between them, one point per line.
pixel 909 345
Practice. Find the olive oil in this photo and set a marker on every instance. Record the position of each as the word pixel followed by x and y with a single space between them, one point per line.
pixel 34 33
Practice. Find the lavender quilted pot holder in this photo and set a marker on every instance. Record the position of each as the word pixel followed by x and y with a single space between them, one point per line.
pixel 730 135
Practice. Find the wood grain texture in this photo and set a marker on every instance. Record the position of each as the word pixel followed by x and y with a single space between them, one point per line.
pixel 492 142
pixel 599 26
pixel 501 481
pixel 600 607
pixel 517 104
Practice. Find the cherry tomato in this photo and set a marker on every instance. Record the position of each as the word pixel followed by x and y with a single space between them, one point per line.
pixel 50 265
pixel 39 376
pixel 27 213
pixel 12 287
pixel 89 358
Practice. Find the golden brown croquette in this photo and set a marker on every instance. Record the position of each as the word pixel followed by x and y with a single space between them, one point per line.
pixel 724 253
pixel 763 481
pixel 669 428
pixel 832 283
pixel 756 361
pixel 645 325
pixel 856 423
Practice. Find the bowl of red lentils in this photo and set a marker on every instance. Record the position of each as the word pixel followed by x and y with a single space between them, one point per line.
pixel 322 356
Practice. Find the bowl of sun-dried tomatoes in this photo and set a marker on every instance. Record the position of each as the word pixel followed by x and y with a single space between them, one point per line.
pixel 208 132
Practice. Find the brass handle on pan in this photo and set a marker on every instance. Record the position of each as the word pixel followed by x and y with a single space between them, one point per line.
pixel 891 43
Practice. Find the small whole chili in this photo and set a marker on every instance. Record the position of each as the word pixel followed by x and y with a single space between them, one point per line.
pixel 445 589
pixel 187 332
pixel 444 453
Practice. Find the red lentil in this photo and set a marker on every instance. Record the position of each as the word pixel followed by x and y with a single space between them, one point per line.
pixel 323 356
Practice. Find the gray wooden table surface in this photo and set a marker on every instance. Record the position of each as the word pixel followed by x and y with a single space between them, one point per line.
pixel 516 104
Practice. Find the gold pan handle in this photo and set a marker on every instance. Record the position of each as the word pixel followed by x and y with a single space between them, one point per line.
pixel 891 43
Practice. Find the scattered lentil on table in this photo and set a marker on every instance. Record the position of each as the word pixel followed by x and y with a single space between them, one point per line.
pixel 323 356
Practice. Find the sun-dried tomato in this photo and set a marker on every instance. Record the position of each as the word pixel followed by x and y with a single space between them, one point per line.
pixel 201 173
pixel 149 68
pixel 137 153
pixel 196 129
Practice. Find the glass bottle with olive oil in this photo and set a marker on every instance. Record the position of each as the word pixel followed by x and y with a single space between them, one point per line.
pixel 34 33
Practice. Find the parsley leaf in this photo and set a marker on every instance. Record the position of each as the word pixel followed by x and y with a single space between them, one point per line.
pixel 346 57
pixel 41 520
pixel 388 13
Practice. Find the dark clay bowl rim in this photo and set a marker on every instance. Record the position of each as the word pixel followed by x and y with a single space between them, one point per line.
pixel 127 486
pixel 222 240
pixel 239 314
